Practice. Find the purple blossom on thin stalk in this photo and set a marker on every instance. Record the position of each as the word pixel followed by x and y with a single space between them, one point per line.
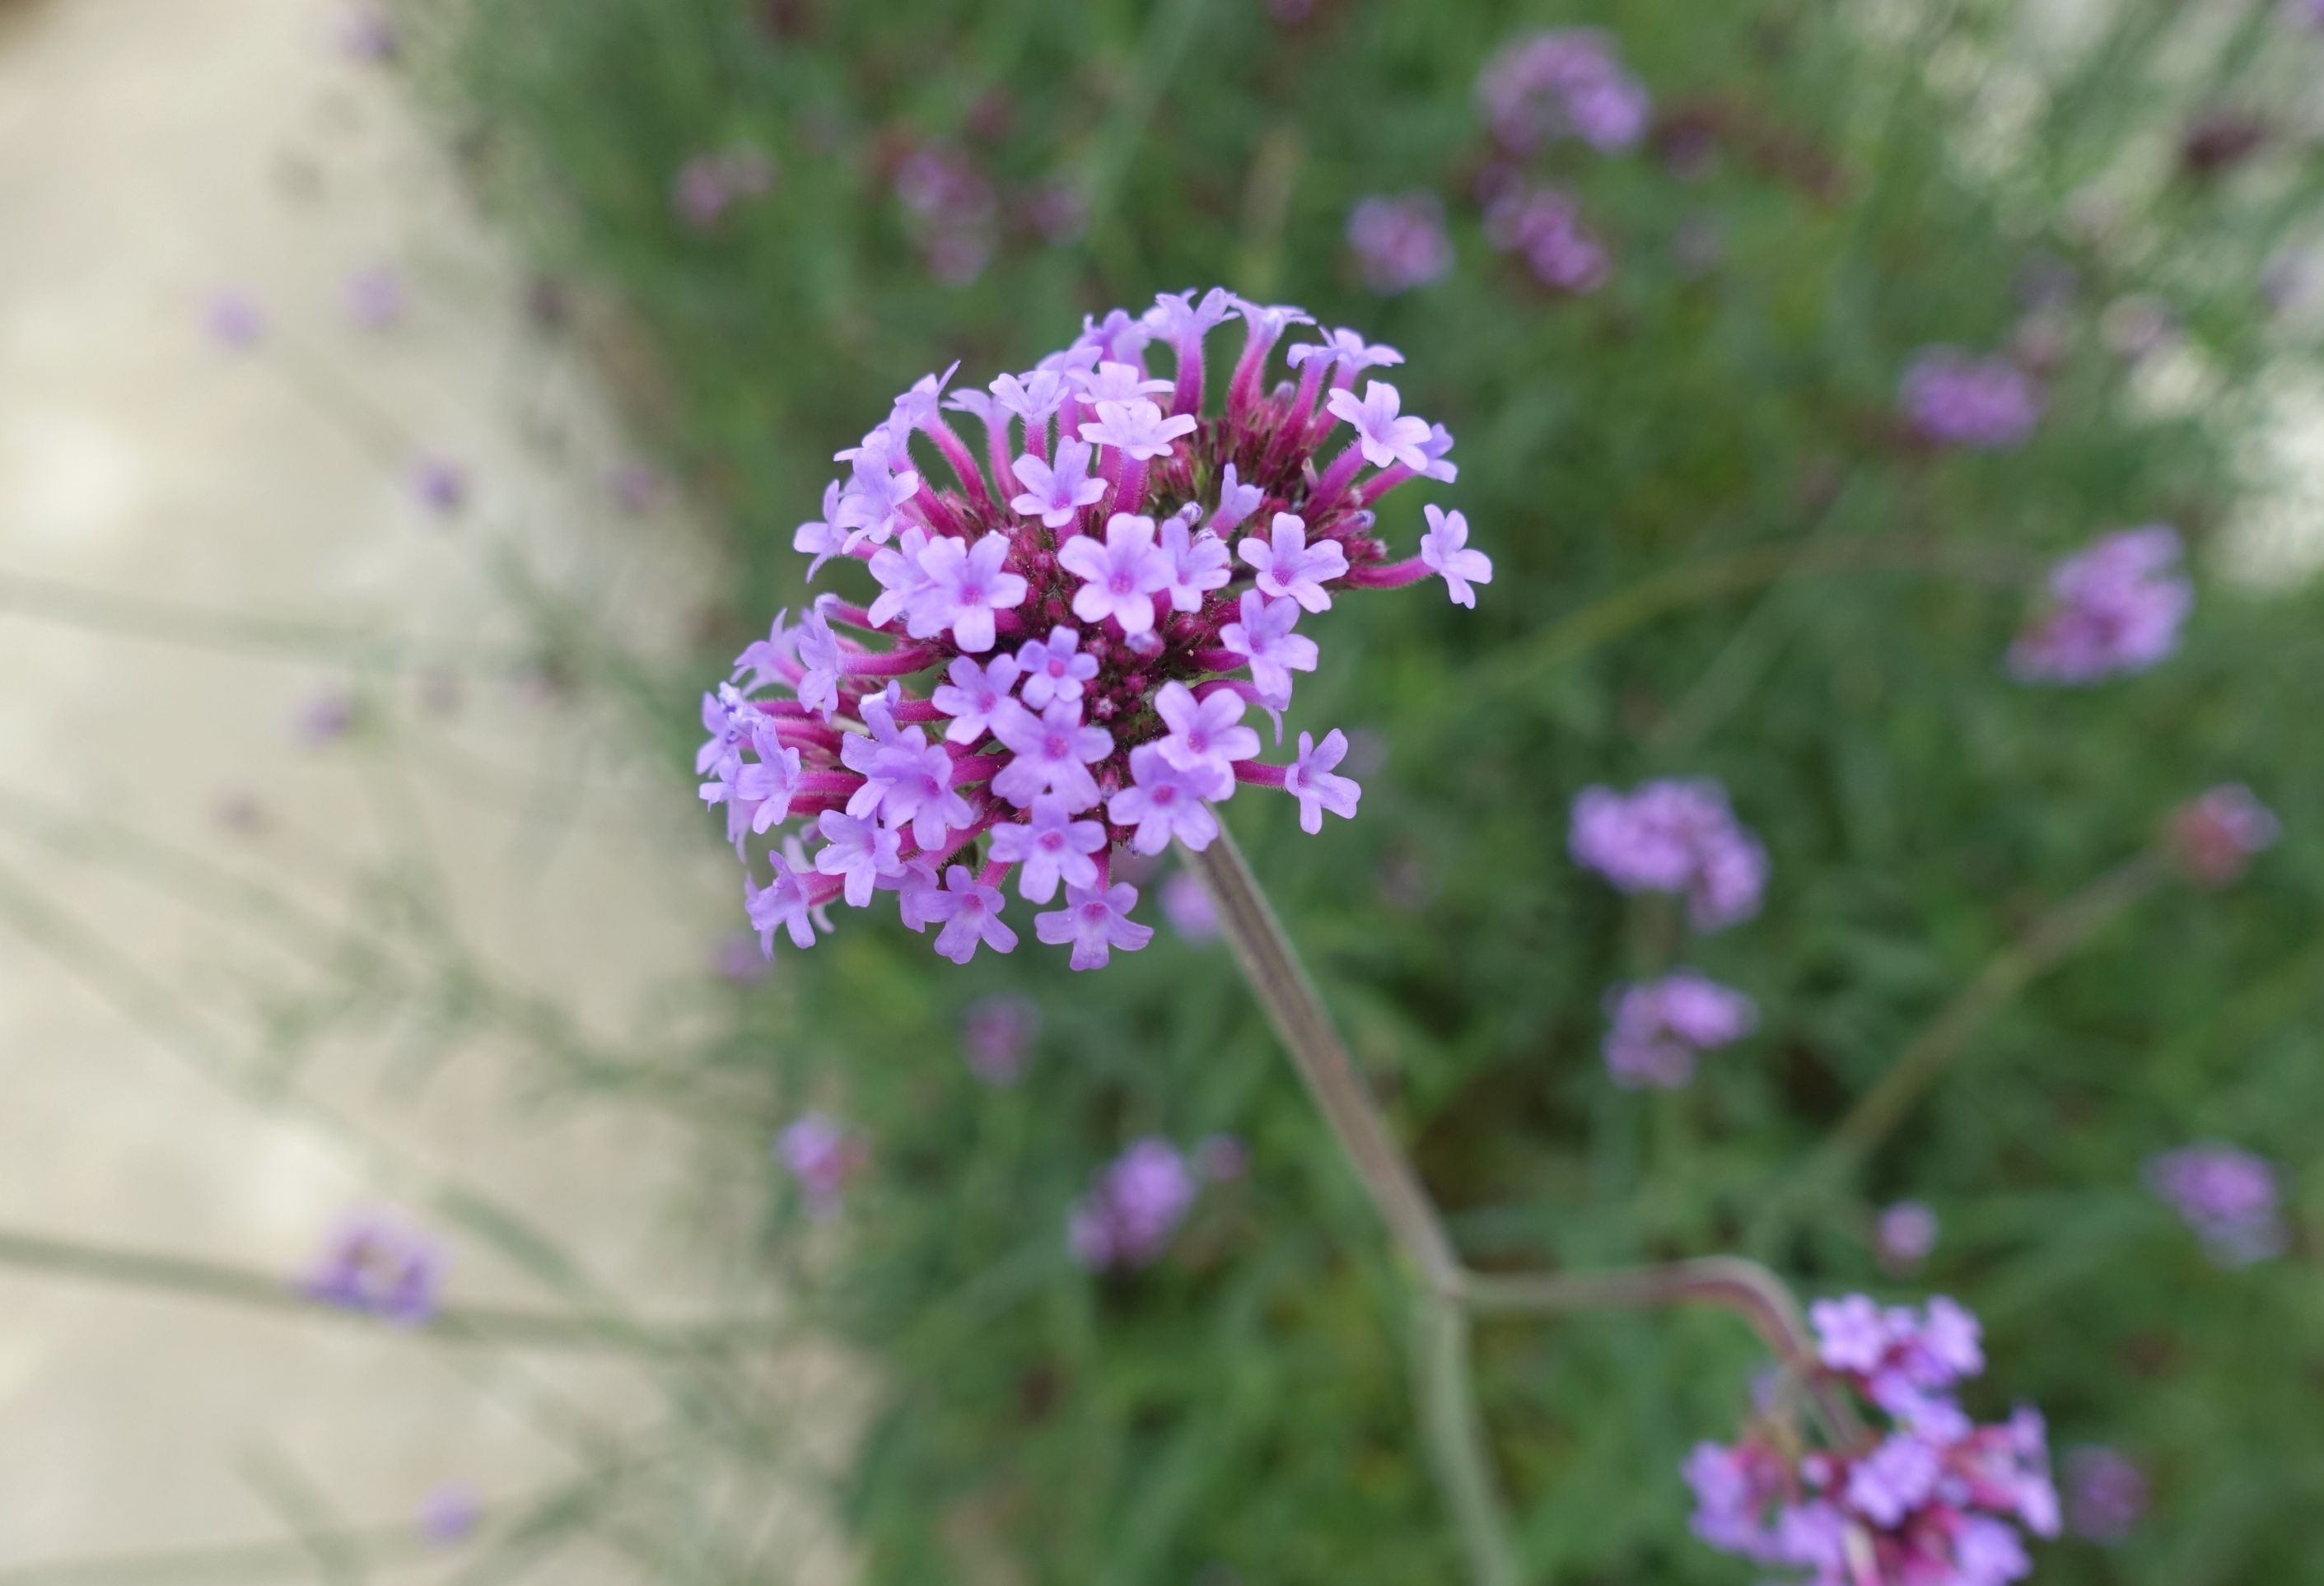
pixel 996 1037
pixel 379 1263
pixel 2227 1196
pixel 2106 1495
pixel 1930 1497
pixel 2113 608
pixel 2214 836
pixel 1060 642
pixel 822 1155
pixel 1134 1204
pixel 1659 1029
pixel 1905 1234
pixel 1400 243
pixel 1560 83
pixel 1952 398
pixel 1673 836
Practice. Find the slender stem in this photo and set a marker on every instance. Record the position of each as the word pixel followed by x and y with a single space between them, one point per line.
pixel 1456 1441
pixel 1271 964
pixel 1744 1286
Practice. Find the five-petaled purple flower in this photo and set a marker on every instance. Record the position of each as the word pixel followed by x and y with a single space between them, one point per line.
pixel 1094 921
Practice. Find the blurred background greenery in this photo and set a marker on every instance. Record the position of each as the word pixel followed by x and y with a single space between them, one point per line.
pixel 1719 551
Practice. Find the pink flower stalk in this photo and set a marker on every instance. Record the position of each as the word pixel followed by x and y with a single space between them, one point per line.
pixel 822 1155
pixel 2227 1196
pixel 1400 243
pixel 2214 836
pixel 1134 1204
pixel 1066 631
pixel 1673 836
pixel 1929 1499
pixel 1986 404
pixel 1562 83
pixel 1904 1235
pixel 1543 227
pixel 2106 1495
pixel 378 1262
pixel 1661 1027
pixel 2113 609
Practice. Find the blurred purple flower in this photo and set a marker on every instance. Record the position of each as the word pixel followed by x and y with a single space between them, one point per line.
pixel 1952 398
pixel 822 1155
pixel 997 1036
pixel 1905 1234
pixel 735 959
pixel 1057 213
pixel 1661 1027
pixel 1544 226
pixel 235 321
pixel 378 1263
pixel 1401 243
pixel 952 210
pixel 439 485
pixel 709 185
pixel 637 488
pixel 326 717
pixel 1559 83
pixel 368 33
pixel 2113 608
pixel 450 1513
pixel 1133 1207
pixel 2214 836
pixel 375 297
pixel 2106 1495
pixel 1187 906
pixel 1673 835
pixel 2227 1196
pixel 1222 1159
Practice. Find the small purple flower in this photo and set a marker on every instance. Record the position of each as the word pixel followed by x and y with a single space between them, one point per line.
pixel 1186 905
pixel 1311 779
pixel 1134 1204
pixel 1670 836
pixel 996 1036
pixel 1120 577
pixel 1055 492
pixel 1163 802
pixel 1543 227
pixel 2113 608
pixel 1054 669
pixel 971 911
pixel 1198 560
pixel 1050 753
pixel 375 297
pixel 735 959
pixel 1444 549
pixel 2214 836
pixel 1896 1478
pixel 448 1512
pixel 1952 398
pixel 1265 639
pixel 2227 1196
pixel 1205 736
pixel 440 485
pixel 1115 382
pixel 1852 1333
pixel 1560 83
pixel 968 584
pixel 1052 847
pixel 1289 567
pixel 235 321
pixel 1095 920
pixel 782 904
pixel 1906 1233
pixel 858 850
pixel 378 1263
pixel 1387 436
pixel 2106 1495
pixel 973 697
pixel 1401 243
pixel 822 1155
pixel 1138 429
pixel 1661 1027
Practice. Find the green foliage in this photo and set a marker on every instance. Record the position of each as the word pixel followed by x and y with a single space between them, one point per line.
pixel 1716 554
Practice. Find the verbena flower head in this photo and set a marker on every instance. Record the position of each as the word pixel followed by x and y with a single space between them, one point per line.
pixel 2106 1495
pixel 2227 1196
pixel 1543 227
pixel 2214 836
pixel 1075 608
pixel 1923 1496
pixel 1134 1204
pixel 1986 405
pixel 1401 243
pixel 1673 836
pixel 822 1154
pixel 378 1262
pixel 2113 608
pixel 1560 83
pixel 1658 1030
pixel 1906 1233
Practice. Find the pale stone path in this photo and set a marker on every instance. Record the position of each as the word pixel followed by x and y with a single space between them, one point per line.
pixel 196 546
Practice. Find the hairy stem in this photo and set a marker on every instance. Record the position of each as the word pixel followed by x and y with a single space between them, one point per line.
pixel 1455 1434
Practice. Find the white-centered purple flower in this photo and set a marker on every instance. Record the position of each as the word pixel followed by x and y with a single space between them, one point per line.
pixel 2113 609
pixel 1120 578
pixel 1138 428
pixel 971 911
pixel 1387 436
pixel 1055 493
pixel 1051 753
pixel 973 696
pixel 1446 551
pixel 1205 736
pixel 1312 781
pixel 1049 846
pixel 1290 567
pixel 1115 382
pixel 1265 639
pixel 1198 563
pixel 1132 1208
pixel 1094 921
pixel 1658 1030
pixel 1034 396
pixel 1054 669
pixel 1164 801
pixel 966 584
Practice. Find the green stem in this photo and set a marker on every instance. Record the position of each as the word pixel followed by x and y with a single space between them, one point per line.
pixel 1457 1446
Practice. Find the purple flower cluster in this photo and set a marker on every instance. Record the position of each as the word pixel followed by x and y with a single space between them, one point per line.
pixel 381 1264
pixel 1562 83
pixel 2113 608
pixel 708 186
pixel 1932 1499
pixel 1401 243
pixel 1661 1027
pixel 2214 835
pixel 1134 1204
pixel 1543 227
pixel 1079 600
pixel 1988 404
pixel 997 1038
pixel 822 1154
pixel 1673 836
pixel 952 210
pixel 2106 1495
pixel 2227 1196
